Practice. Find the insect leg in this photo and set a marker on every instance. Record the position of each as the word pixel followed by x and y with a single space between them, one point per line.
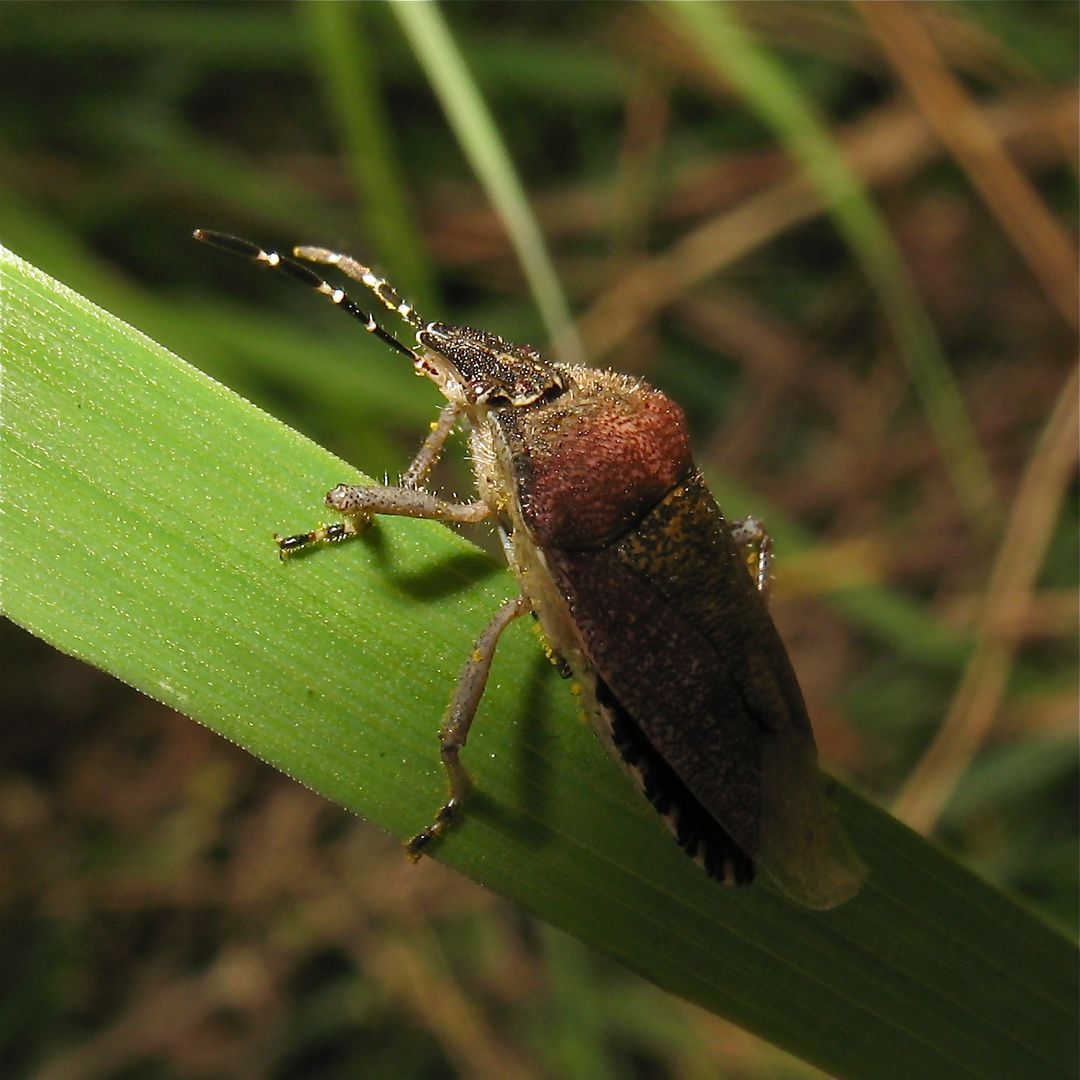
pixel 358 504
pixel 751 534
pixel 324 534
pixel 458 719
pixel 429 453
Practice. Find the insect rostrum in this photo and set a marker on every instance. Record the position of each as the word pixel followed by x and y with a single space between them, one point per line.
pixel 640 586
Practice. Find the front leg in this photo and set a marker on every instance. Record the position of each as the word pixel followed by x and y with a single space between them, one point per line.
pixel 359 504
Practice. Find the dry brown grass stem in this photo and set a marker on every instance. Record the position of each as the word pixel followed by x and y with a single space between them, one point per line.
pixel 962 126
pixel 999 628
pixel 885 148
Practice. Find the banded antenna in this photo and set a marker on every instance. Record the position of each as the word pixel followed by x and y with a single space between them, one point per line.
pixel 383 291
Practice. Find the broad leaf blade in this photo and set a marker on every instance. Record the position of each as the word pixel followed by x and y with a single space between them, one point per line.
pixel 139 498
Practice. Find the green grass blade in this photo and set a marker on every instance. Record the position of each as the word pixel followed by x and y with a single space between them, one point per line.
pixel 342 57
pixel 779 101
pixel 138 503
pixel 483 146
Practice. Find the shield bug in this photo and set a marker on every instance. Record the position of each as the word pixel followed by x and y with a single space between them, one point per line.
pixel 641 588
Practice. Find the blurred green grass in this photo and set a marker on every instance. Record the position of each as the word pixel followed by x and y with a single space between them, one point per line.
pixel 124 126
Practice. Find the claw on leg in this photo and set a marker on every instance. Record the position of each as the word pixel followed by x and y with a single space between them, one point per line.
pixel 324 534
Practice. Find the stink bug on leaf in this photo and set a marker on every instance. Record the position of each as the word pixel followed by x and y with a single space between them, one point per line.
pixel 641 588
